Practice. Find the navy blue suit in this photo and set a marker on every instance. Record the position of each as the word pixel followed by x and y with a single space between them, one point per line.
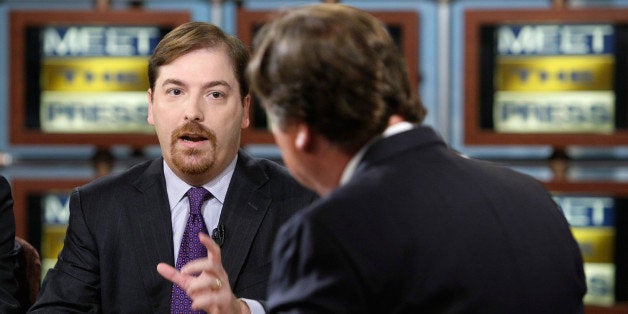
pixel 421 229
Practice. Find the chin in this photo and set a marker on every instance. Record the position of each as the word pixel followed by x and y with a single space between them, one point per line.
pixel 192 164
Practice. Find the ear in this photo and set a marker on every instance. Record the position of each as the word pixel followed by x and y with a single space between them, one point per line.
pixel 246 119
pixel 304 140
pixel 150 119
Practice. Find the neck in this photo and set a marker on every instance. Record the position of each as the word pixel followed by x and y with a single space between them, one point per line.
pixel 330 172
pixel 394 119
pixel 326 164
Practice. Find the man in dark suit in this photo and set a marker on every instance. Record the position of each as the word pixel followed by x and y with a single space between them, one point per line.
pixel 121 226
pixel 9 249
pixel 405 224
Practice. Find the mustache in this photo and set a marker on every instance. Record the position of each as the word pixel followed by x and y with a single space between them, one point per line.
pixel 192 128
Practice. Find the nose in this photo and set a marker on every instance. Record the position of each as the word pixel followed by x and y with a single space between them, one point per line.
pixel 194 109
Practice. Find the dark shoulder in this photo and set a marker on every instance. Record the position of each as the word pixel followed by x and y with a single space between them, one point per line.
pixel 7 218
pixel 502 172
pixel 106 197
pixel 5 189
pixel 4 183
pixel 120 180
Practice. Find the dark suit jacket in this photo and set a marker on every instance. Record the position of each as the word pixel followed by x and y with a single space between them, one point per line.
pixel 421 229
pixel 120 229
pixel 8 252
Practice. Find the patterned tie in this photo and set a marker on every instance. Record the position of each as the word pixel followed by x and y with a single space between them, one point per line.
pixel 191 247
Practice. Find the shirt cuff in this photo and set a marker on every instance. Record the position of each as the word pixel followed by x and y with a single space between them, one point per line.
pixel 254 306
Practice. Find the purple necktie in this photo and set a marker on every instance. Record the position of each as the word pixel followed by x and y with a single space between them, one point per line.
pixel 191 247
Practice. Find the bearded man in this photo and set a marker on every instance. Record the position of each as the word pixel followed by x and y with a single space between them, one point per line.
pixel 122 225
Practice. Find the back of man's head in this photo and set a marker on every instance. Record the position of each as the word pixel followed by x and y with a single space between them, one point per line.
pixel 335 68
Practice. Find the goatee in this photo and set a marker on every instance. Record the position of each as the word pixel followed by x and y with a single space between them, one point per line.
pixel 193 161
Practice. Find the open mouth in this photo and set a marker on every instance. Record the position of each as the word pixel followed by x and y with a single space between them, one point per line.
pixel 193 138
pixel 192 135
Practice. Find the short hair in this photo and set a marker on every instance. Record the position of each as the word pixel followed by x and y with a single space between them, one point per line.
pixel 335 68
pixel 191 36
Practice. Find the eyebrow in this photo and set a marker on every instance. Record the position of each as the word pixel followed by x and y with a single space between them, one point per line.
pixel 217 83
pixel 206 85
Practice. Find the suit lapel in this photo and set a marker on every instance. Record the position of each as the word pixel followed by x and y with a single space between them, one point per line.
pixel 151 230
pixel 244 209
pixel 148 213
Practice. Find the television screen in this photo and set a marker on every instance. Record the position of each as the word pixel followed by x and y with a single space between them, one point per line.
pixel 81 77
pixel 49 217
pixel 554 78
pixel 593 220
pixel 42 213
pixel 597 212
pixel 91 79
pixel 546 77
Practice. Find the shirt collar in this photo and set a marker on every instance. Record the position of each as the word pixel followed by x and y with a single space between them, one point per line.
pixel 218 186
pixel 349 170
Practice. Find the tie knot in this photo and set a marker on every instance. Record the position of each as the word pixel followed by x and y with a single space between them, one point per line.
pixel 196 197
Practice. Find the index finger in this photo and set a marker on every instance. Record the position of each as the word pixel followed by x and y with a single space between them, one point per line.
pixel 173 275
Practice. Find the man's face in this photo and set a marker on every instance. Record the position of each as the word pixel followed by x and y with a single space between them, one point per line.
pixel 198 113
